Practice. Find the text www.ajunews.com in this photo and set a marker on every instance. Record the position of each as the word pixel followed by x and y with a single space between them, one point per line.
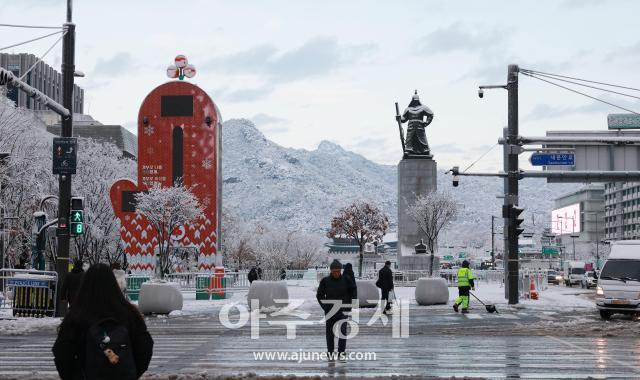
pixel 306 356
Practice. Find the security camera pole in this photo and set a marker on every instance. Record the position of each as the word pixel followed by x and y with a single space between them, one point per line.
pixel 64 180
pixel 511 152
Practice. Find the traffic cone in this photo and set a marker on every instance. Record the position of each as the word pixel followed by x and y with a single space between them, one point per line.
pixel 533 293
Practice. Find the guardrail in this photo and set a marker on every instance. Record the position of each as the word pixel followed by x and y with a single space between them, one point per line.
pixel 29 293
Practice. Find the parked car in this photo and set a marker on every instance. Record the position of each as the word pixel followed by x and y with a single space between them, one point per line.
pixel 618 289
pixel 589 280
pixel 553 277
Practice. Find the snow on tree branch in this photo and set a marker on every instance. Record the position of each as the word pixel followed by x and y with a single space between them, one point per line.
pixel 432 213
pixel 166 209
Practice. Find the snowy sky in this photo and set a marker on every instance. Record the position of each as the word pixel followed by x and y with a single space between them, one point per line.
pixel 307 71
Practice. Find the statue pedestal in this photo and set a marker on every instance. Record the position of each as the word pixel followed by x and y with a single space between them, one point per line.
pixel 416 176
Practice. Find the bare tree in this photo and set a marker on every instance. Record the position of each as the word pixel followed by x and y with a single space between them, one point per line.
pixel 236 241
pixel 432 212
pixel 166 209
pixel 304 250
pixel 361 222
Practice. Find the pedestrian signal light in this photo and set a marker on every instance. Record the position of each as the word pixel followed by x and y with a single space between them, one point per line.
pixel 76 218
pixel 517 220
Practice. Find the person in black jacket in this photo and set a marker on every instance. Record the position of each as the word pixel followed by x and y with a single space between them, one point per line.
pixel 348 272
pixel 385 283
pixel 253 275
pixel 341 291
pixel 71 283
pixel 99 298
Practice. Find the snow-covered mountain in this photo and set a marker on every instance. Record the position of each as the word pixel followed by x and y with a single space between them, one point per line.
pixel 297 189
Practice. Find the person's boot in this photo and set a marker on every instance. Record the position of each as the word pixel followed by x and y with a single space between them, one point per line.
pixel 455 307
pixel 465 311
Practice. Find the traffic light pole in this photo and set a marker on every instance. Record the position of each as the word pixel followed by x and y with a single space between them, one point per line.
pixel 64 181
pixel 511 151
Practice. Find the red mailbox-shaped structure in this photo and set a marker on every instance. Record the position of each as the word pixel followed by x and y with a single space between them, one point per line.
pixel 178 140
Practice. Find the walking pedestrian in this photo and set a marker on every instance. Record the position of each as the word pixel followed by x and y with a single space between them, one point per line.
pixel 103 336
pixel 283 274
pixel 335 295
pixel 348 272
pixel 253 275
pixel 71 283
pixel 385 283
pixel 465 284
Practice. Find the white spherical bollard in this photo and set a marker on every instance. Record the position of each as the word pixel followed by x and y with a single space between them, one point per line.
pixel 432 291
pixel 368 294
pixel 268 294
pixel 159 297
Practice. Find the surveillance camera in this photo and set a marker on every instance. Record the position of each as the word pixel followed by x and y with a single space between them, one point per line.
pixel 480 93
pixel 456 181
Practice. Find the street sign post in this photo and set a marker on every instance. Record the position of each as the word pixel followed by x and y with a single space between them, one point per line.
pixel 623 121
pixel 550 159
pixel 64 155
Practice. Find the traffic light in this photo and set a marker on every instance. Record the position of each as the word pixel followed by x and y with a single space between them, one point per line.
pixel 517 220
pixel 76 219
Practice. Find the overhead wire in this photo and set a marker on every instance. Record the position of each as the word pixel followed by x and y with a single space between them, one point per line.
pixel 32 40
pixel 480 158
pixel 42 56
pixel 580 79
pixel 589 86
pixel 578 92
pixel 30 26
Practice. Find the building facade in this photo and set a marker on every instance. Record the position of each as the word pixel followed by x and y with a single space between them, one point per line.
pixel 622 211
pixel 581 233
pixel 43 77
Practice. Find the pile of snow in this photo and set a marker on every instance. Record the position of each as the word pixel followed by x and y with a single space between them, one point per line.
pixel 22 326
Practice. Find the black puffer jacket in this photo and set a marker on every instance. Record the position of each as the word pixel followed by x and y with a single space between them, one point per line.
pixel 338 289
pixel 385 278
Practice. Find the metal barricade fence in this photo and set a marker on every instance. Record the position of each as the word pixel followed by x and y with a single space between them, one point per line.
pixel 29 293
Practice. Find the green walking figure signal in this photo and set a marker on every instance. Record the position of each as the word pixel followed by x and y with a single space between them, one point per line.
pixel 76 217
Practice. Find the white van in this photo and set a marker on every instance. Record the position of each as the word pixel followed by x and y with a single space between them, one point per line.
pixel 618 288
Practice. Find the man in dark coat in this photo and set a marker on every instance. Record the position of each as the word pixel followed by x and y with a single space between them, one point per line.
pixel 253 275
pixel 335 295
pixel 71 283
pixel 385 283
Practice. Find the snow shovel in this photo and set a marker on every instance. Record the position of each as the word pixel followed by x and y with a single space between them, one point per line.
pixel 491 308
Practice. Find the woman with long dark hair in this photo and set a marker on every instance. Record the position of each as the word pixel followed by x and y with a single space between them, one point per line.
pixel 103 336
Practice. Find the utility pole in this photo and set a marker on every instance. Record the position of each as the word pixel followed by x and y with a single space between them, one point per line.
pixel 493 247
pixel 511 151
pixel 64 181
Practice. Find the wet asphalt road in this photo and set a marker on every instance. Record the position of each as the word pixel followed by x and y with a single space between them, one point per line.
pixel 513 344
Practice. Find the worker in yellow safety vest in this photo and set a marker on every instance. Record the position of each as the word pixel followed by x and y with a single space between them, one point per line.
pixel 465 284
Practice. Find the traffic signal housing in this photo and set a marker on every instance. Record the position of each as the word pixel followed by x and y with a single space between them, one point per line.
pixel 76 217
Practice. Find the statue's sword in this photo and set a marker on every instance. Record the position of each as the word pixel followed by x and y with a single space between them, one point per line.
pixel 400 127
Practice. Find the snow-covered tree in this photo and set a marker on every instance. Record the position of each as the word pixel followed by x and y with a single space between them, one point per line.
pixel 432 212
pixel 304 250
pixel 102 164
pixel 362 222
pixel 166 209
pixel 236 240
pixel 25 176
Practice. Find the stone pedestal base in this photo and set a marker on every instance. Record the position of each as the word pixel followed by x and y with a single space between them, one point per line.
pixel 419 262
pixel 416 176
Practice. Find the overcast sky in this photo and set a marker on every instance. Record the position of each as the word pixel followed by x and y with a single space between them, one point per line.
pixel 307 71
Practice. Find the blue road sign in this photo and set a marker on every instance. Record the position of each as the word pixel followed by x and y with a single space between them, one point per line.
pixel 549 159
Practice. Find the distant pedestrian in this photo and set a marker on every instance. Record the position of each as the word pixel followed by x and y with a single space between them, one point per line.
pixel 103 336
pixel 253 275
pixel 283 274
pixel 385 283
pixel 465 285
pixel 71 283
pixel 348 273
pixel 335 295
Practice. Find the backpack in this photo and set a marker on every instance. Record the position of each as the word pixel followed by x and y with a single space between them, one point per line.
pixel 108 352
